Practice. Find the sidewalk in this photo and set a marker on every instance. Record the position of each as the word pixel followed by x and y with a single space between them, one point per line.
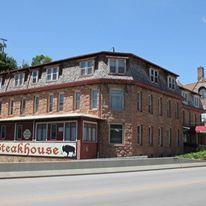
pixel 51 169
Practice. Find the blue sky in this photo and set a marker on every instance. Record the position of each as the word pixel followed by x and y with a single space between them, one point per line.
pixel 171 33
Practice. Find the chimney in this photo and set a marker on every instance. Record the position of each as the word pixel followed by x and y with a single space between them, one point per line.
pixel 200 74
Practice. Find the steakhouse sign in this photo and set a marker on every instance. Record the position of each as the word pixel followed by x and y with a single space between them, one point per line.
pixel 53 149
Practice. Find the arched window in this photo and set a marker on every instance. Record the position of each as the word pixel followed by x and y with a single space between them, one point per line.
pixel 202 92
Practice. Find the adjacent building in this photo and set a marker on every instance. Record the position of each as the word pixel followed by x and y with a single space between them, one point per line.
pixel 104 104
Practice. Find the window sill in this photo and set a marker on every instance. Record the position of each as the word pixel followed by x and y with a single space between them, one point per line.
pixel 117 74
pixel 117 144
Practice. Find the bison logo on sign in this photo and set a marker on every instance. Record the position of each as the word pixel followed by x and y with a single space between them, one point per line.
pixel 68 149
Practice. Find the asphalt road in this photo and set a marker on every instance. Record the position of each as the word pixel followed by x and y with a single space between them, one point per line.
pixel 184 187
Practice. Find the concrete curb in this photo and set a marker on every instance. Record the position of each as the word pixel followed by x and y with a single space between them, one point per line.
pixel 90 171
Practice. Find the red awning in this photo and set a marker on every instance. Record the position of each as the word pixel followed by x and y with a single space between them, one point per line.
pixel 200 129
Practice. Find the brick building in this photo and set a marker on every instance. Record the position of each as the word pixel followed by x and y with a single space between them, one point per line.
pixel 104 104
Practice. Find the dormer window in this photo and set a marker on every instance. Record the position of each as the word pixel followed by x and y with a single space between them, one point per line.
pixel 52 74
pixel 171 82
pixel 117 66
pixel 19 79
pixel 196 101
pixel 154 75
pixel 185 97
pixel 35 76
pixel 86 67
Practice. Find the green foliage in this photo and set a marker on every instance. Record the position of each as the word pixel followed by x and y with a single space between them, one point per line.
pixel 195 155
pixel 40 59
pixel 7 62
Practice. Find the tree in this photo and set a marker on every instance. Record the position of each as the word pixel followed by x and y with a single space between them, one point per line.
pixel 7 62
pixel 40 59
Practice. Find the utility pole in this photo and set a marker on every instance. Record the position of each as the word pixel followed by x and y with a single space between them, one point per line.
pixel 2 45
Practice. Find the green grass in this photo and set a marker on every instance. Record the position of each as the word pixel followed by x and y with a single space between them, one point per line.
pixel 195 155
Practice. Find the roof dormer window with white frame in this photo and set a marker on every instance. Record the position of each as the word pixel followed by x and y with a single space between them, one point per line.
pixel 117 65
pixel 35 76
pixel 86 67
pixel 19 79
pixel 52 73
pixel 171 82
pixel 153 75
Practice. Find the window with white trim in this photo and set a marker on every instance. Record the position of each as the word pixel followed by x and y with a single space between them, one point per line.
pixel 51 103
pixel 116 99
pixel 35 76
pixel 36 104
pixel 11 107
pixel 117 65
pixel 53 131
pixel 1 82
pixel 61 102
pixel 70 133
pixel 154 75
pixel 2 132
pixel 169 135
pixel 150 104
pixel 90 132
pixel 94 98
pixel 185 97
pixel 159 105
pixel 86 67
pixel 52 74
pixel 22 106
pixel 171 82
pixel 77 98
pixel 196 101
pixel 116 134
pixel 139 134
pixel 19 79
pixel 41 133
pixel 150 135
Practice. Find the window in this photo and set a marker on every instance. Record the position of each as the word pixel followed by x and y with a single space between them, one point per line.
pixel 185 97
pixel 150 104
pixel 139 134
pixel 36 104
pixel 19 132
pixel 1 82
pixel 171 82
pixel 139 101
pixel 117 66
pixel 52 74
pixel 35 76
pixel 3 132
pixel 116 134
pixel 159 104
pixel 51 103
pixel 94 99
pixel 160 136
pixel 19 79
pixel 41 134
pixel 178 137
pixel 202 92
pixel 86 67
pixel 77 100
pixel 154 75
pixel 116 99
pixel 90 132
pixel 183 117
pixel 70 131
pixel 53 131
pixel 61 102
pixel 169 135
pixel 150 135
pixel 22 106
pixel 196 101
pixel 177 111
pixel 11 107
pixel 169 109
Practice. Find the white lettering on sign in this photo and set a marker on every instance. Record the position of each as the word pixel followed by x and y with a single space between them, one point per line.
pixel 44 149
